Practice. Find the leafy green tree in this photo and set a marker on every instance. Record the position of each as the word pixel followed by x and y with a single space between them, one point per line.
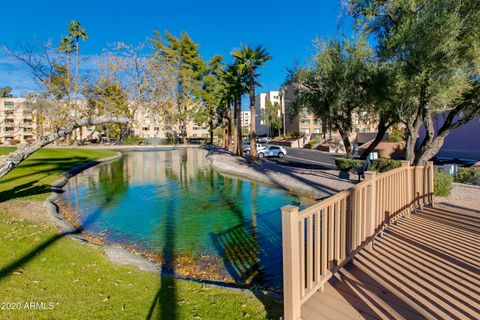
pixel 435 47
pixel 5 92
pixel 335 85
pixel 249 60
pixel 108 96
pixel 213 88
pixel 272 117
pixel 183 56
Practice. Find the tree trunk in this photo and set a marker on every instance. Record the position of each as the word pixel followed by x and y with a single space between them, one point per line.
pixel 10 161
pixel 238 126
pixel 346 140
pixel 77 64
pixel 210 125
pixel 425 154
pixel 382 129
pixel 253 133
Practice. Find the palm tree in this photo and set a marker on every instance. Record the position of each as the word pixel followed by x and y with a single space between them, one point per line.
pixel 249 60
pixel 67 46
pixel 235 79
pixel 77 32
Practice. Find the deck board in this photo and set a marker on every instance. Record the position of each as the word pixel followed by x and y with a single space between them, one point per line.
pixel 424 267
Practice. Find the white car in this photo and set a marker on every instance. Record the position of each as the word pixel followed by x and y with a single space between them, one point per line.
pixel 246 148
pixel 271 151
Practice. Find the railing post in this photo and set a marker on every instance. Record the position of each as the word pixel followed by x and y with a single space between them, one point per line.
pixel 431 184
pixel 291 263
pixel 409 191
pixel 371 207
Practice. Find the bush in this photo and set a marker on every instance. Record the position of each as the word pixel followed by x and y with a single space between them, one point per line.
pixel 383 165
pixel 347 165
pixel 297 134
pixel 132 140
pixel 442 183
pixel 14 142
pixel 468 176
pixel 396 135
pixel 379 165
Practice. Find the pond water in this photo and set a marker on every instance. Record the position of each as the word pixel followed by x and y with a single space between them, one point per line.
pixel 170 205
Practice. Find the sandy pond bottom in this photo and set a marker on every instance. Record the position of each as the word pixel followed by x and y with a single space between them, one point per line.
pixel 169 206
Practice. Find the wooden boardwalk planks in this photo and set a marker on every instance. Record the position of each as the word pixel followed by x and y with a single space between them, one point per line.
pixel 424 267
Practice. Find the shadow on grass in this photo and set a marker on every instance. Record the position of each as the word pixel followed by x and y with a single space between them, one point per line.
pixel 164 304
pixel 46 167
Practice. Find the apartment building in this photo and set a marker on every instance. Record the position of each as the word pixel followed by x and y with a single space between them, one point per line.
pixel 245 118
pixel 260 101
pixel 16 121
pixel 149 125
pixel 17 125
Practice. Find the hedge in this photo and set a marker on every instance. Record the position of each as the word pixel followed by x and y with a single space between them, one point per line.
pixel 379 165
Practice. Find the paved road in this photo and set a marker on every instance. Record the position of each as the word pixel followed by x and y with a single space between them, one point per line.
pixel 305 158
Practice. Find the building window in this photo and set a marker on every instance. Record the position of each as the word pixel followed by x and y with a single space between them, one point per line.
pixel 146 128
pixel 156 128
pixel 9 103
pixel 305 121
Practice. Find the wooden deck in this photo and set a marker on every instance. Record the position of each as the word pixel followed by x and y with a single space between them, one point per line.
pixel 425 267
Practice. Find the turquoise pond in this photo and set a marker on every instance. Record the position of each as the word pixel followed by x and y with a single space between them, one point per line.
pixel 199 223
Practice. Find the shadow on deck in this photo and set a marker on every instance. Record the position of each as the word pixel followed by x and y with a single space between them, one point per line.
pixel 425 267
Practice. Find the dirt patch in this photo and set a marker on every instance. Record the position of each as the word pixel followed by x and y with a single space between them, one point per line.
pixel 29 210
pixel 464 196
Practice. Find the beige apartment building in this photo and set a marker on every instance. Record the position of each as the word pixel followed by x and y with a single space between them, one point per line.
pixel 17 125
pixel 16 121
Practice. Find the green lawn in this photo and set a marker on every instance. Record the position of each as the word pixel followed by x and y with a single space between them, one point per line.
pixel 32 178
pixel 38 265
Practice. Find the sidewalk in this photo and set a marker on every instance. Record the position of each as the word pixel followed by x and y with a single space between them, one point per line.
pixel 313 183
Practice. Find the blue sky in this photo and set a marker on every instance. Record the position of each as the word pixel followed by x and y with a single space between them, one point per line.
pixel 286 28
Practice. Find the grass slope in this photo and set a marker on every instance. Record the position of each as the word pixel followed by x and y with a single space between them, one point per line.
pixel 32 178
pixel 38 265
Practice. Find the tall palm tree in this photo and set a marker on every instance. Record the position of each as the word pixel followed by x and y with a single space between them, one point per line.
pixel 77 32
pixel 249 60
pixel 235 79
pixel 67 46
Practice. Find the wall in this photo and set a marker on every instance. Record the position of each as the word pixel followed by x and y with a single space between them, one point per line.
pixel 463 142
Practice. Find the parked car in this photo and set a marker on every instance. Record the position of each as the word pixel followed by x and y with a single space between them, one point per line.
pixel 264 139
pixel 271 151
pixel 246 148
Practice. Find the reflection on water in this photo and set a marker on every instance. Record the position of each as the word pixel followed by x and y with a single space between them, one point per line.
pixel 172 203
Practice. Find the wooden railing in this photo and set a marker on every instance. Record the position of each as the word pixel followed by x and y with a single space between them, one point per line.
pixel 322 238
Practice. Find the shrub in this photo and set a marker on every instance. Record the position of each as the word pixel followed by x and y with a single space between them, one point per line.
pixel 379 165
pixel 298 134
pixel 383 165
pixel 347 165
pixel 14 142
pixel 396 135
pixel 469 176
pixel 132 140
pixel 442 183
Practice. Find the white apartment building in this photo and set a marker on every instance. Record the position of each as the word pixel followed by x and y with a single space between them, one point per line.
pixel 245 118
pixel 260 100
